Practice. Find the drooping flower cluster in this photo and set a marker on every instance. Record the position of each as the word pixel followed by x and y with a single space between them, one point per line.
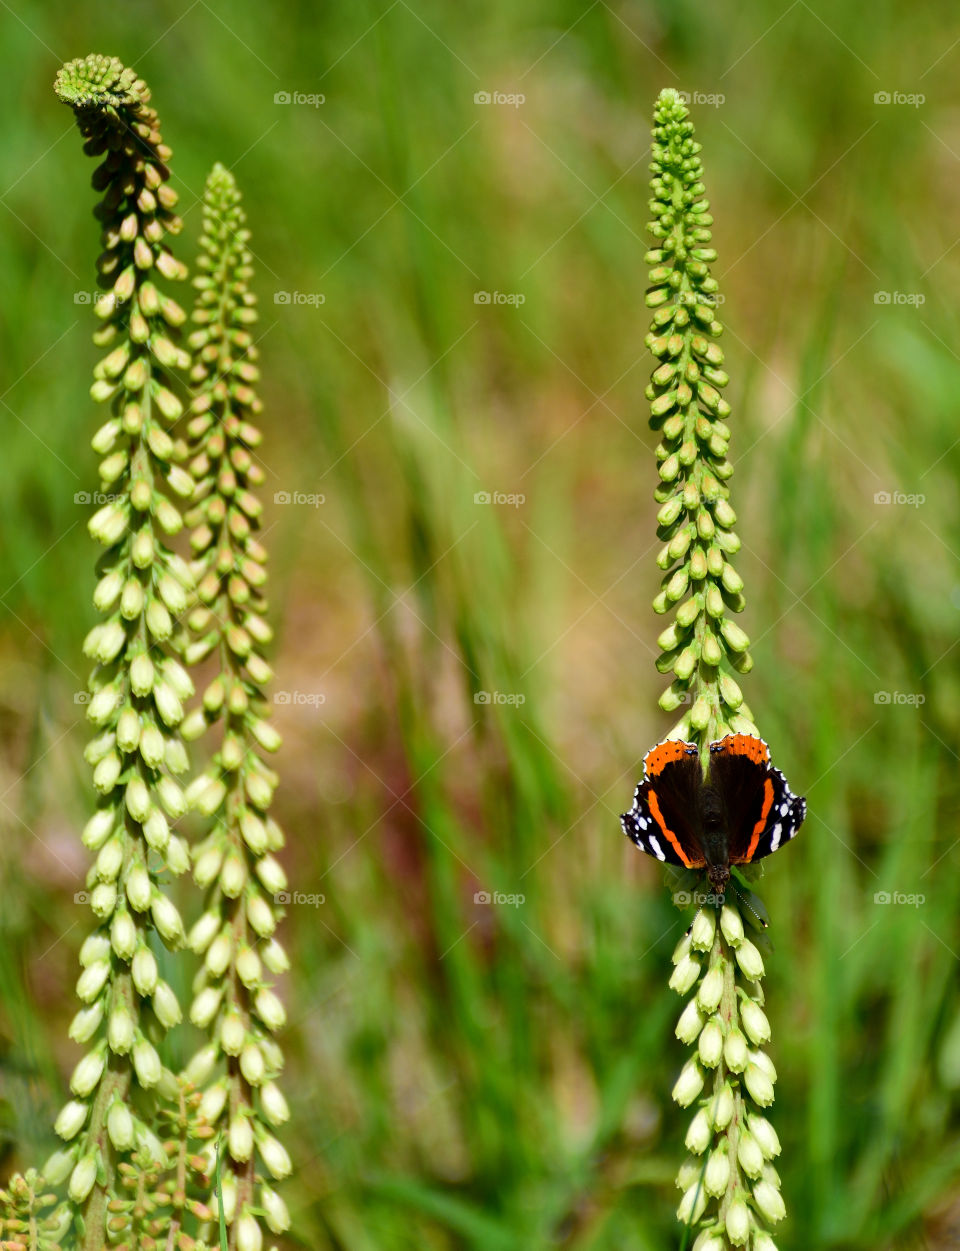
pixel 731 1190
pixel 138 686
pixel 695 520
pixel 235 864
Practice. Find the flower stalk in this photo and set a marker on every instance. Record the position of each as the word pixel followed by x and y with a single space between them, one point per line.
pixel 702 646
pixel 235 864
pixel 138 686
pixel 731 1190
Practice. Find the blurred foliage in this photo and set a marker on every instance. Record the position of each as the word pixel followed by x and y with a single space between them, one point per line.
pixel 470 1075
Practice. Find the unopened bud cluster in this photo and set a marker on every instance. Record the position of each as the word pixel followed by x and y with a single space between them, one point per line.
pixel 236 865
pixel 702 646
pixel 28 1215
pixel 138 687
pixel 731 1190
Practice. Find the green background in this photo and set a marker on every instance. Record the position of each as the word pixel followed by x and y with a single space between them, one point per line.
pixel 497 1076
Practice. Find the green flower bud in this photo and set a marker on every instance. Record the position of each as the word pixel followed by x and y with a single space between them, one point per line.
pixel 82 1178
pixel 92 980
pixel 165 1005
pixel 156 830
pixel 763 1242
pixel 240 1138
pixel 723 1107
pixel 120 1127
pixel 711 1044
pixel 769 1202
pixel 703 930
pixel 274 1157
pixel 146 1064
pixel 711 989
pixel 692 1205
pixel 143 969
pixel 750 960
pixel 275 1210
pixel 735 1051
pixel 218 953
pixel 273 1104
pixel 72 1118
pixel 758 1084
pixel 251 1064
pixel 141 674
pixel 690 1023
pixel 123 935
pixel 749 1155
pixel 167 919
pixel 717 1173
pixel 699 1134
pixel 158 620
pixel 688 1084
pixel 120 1030
pixel 103 899
pixel 754 1022
pixel 765 1135
pixel 172 797
pixel 201 1065
pixel 275 958
pixel 233 876
pixel 98 828
pixel 738 1223
pixel 213 1102
pixel 86 1076
pixel 108 591
pixel 87 1021
pixel 248 967
pixel 110 859
pixel 685 975
pixel 138 888
pixel 249 1235
pixel 205 1006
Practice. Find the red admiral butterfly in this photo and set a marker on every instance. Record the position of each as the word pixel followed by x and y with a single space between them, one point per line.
pixel 741 811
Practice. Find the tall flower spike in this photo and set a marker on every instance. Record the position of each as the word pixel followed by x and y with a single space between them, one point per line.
pixel 138 687
pixel 731 1191
pixel 235 864
pixel 702 644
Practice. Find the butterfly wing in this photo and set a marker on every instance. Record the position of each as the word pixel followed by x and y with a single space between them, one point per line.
pixel 664 820
pixel 761 812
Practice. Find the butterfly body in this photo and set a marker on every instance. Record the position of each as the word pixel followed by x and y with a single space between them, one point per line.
pixel 741 811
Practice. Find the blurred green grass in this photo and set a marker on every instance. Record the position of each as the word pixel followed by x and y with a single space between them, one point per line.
pixel 466 1075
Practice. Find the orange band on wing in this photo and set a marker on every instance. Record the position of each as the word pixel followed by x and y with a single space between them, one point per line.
pixel 672 838
pixel 764 813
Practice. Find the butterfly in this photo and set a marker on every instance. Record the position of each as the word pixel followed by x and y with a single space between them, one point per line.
pixel 741 811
